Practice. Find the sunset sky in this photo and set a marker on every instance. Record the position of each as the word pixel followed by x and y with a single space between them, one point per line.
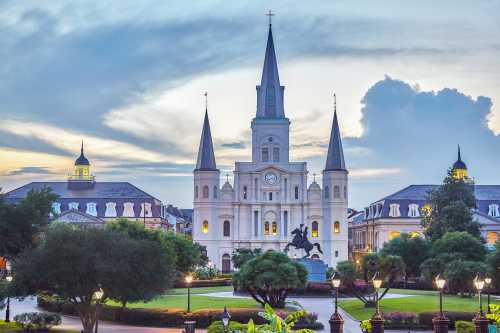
pixel 413 80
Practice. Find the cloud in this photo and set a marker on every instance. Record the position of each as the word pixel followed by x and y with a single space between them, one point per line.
pixel 372 173
pixel 234 145
pixel 30 171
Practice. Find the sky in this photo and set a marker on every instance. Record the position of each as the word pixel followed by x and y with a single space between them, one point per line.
pixel 413 80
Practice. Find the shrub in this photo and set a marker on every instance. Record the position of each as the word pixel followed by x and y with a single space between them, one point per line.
pixel 205 273
pixel 37 321
pixel 400 320
pixel 425 318
pixel 217 327
pixel 464 327
pixel 205 283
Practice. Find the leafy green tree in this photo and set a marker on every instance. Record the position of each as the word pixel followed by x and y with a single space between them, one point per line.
pixel 370 265
pixel 460 245
pixel 22 223
pixel 451 209
pixel 412 250
pixel 73 264
pixel 347 272
pixel 460 274
pixel 270 277
pixel 242 255
pixel 494 265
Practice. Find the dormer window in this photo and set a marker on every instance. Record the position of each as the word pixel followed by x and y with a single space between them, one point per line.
pixel 73 206
pixel 413 210
pixel 110 209
pixel 493 210
pixel 128 209
pixel 56 208
pixel 92 208
pixel 394 210
pixel 146 210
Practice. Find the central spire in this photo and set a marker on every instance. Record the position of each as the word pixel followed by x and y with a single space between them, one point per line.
pixel 335 158
pixel 206 156
pixel 270 92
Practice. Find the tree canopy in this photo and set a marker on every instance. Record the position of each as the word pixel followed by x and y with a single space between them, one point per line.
pixel 270 277
pixel 242 255
pixel 74 263
pixel 412 250
pixel 21 223
pixel 451 209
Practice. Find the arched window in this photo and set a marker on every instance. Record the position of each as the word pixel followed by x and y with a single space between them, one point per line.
pixel 266 228
pixel 270 196
pixel 314 229
pixel 56 208
pixel 327 192
pixel 256 189
pixel 493 210
pixel 394 234
pixel 275 228
pixel 205 191
pixel 491 238
pixel 128 209
pixel 336 192
pixel 296 190
pixel 204 227
pixel 196 192
pixel 413 210
pixel 345 192
pixel 91 208
pixel 110 209
pixel 285 195
pixel 227 229
pixel 276 154
pixel 215 192
pixel 245 192
pixel 265 154
pixel 394 210
pixel 226 263
pixel 336 227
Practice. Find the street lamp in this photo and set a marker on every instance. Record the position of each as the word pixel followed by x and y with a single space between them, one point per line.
pixel 377 283
pixel 479 284
pixel 440 282
pixel 7 310
pixel 336 285
pixel 487 281
pixel 225 319
pixel 98 295
pixel 189 279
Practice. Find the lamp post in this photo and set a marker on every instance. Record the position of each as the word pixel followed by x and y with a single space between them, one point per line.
pixel 440 322
pixel 226 317
pixel 336 321
pixel 189 279
pixel 377 321
pixel 7 310
pixel 480 320
pixel 487 282
pixel 98 295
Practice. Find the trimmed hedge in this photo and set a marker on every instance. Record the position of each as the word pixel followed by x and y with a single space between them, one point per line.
pixel 206 283
pixel 465 327
pixel 425 318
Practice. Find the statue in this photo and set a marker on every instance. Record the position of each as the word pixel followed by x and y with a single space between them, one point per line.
pixel 300 241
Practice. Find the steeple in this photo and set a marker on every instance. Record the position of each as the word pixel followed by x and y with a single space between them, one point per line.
pixel 459 168
pixel 270 92
pixel 206 156
pixel 335 157
pixel 82 160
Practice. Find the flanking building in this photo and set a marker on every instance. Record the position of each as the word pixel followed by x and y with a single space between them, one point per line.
pixel 86 202
pixel 270 196
pixel 401 212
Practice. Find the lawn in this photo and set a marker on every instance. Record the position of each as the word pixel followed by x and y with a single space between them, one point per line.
pixel 177 299
pixel 202 290
pixel 420 303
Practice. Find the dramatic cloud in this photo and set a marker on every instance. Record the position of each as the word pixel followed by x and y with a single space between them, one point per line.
pixel 30 170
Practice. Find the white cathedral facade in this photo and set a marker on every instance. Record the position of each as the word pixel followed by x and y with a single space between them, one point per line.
pixel 270 196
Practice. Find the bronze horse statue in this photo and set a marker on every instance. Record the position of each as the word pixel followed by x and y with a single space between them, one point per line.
pixel 300 241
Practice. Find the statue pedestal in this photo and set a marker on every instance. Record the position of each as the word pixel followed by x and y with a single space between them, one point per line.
pixel 316 269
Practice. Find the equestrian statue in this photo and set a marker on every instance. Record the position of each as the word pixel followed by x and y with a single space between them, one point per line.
pixel 300 241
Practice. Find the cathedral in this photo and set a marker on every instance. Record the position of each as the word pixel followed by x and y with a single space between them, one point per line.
pixel 270 196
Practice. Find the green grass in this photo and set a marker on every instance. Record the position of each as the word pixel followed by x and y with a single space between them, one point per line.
pixel 415 304
pixel 202 290
pixel 198 302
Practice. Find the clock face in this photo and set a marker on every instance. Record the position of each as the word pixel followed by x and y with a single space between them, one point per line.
pixel 271 178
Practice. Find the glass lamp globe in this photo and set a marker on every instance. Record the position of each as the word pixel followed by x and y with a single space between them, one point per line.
pixel 9 278
pixel 478 283
pixel 440 282
pixel 487 281
pixel 377 281
pixel 99 294
pixel 335 281
pixel 189 279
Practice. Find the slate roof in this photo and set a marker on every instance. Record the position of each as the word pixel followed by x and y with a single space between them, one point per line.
pixel 335 158
pixel 206 156
pixel 270 92
pixel 82 160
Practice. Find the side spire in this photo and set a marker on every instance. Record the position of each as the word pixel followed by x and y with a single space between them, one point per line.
pixel 270 92
pixel 459 155
pixel 335 157
pixel 206 156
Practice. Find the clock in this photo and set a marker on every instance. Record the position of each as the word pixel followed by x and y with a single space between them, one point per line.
pixel 271 178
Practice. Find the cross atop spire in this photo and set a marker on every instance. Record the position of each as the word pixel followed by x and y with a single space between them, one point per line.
pixel 270 15
pixel 206 101
pixel 335 157
pixel 270 92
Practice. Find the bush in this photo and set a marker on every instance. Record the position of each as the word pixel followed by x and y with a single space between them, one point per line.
pixel 217 327
pixel 205 283
pixel 425 318
pixel 205 273
pixel 401 320
pixel 37 321
pixel 465 327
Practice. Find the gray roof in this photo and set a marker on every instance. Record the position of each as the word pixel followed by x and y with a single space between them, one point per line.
pixel 206 156
pixel 270 92
pixel 99 190
pixel 335 157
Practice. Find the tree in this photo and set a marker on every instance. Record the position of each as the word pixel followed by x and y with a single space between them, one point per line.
pixel 460 245
pixel 270 277
pixel 22 223
pixel 242 255
pixel 185 254
pixel 494 265
pixel 460 274
pixel 412 250
pixel 451 209
pixel 73 264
